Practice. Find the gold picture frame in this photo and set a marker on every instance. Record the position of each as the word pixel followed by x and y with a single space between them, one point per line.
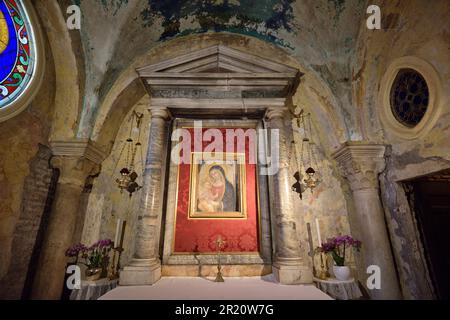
pixel 218 188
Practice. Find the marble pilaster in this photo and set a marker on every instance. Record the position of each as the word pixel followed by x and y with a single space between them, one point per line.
pixel 288 266
pixel 145 267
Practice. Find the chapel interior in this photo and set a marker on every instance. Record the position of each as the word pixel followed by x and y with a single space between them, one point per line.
pixel 348 125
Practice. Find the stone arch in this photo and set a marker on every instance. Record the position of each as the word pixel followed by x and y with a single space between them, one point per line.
pixel 68 58
pixel 313 94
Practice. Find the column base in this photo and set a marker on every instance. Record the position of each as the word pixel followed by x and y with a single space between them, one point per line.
pixel 140 272
pixel 292 272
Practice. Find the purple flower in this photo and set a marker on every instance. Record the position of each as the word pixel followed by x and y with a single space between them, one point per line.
pixel 337 245
pixel 105 243
pixel 75 250
pixel 328 246
pixel 96 256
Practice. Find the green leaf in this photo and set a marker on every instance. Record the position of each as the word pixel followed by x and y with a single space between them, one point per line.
pixel 340 261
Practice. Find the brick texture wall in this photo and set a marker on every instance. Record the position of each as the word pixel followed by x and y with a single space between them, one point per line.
pixel 38 189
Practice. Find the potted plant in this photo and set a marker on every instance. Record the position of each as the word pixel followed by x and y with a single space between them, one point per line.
pixel 97 259
pixel 337 247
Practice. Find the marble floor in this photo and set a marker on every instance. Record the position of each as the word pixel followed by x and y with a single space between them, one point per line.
pixel 190 288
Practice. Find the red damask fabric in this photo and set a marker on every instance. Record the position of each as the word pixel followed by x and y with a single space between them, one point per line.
pixel 199 236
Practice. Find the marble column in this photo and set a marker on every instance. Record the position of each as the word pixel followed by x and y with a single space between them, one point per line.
pixel 288 265
pixel 73 171
pixel 360 165
pixel 145 267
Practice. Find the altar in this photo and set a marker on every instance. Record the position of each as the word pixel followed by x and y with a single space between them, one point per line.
pixel 234 288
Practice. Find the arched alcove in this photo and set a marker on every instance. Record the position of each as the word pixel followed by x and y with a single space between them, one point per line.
pixel 188 80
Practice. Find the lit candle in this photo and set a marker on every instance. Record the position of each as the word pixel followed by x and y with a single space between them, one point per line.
pixel 318 232
pixel 117 238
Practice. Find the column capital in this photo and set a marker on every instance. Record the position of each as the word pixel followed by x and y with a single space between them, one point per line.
pixel 360 163
pixel 74 170
pixel 77 148
pixel 159 112
pixel 273 113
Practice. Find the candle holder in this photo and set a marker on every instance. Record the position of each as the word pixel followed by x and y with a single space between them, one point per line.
pixel 219 277
pixel 327 267
pixel 311 252
pixel 219 243
pixel 114 271
pixel 323 274
pixel 112 274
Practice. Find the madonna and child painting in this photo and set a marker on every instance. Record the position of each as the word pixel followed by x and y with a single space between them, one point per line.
pixel 218 186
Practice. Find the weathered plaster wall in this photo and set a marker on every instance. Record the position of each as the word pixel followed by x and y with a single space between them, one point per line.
pixel 327 203
pixel 313 94
pixel 106 204
pixel 319 34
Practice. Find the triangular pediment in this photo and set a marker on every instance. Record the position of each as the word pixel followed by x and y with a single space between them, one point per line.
pixel 217 59
pixel 219 76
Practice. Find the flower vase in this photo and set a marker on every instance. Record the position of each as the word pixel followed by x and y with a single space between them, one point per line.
pixel 93 274
pixel 341 272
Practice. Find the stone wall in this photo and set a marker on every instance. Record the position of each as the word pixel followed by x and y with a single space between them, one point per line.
pixel 29 224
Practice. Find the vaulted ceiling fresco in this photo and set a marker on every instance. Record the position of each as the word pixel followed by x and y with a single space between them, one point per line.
pixel 319 33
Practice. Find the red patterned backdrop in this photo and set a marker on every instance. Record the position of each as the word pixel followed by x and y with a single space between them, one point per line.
pixel 200 236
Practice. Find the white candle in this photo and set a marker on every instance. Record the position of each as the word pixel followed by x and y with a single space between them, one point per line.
pixel 118 231
pixel 318 232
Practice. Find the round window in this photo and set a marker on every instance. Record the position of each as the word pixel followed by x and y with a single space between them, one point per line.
pixel 409 97
pixel 17 52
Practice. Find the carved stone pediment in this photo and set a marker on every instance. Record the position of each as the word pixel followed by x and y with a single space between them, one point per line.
pixel 219 77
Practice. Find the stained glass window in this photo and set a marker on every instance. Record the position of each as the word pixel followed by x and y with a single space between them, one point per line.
pixel 409 97
pixel 17 51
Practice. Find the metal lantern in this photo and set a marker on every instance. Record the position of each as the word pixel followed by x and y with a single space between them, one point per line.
pixel 128 176
pixel 306 177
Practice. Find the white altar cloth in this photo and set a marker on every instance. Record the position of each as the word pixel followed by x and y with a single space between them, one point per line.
pixel 192 288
